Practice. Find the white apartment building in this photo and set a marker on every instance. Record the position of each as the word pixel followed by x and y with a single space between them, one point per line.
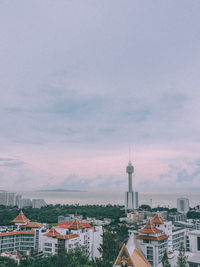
pixel 193 238
pixel 68 235
pixel 153 243
pixel 25 238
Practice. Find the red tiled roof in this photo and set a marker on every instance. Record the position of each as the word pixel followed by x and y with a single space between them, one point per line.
pixel 74 225
pixel 161 237
pixel 17 233
pixel 67 236
pixel 158 219
pixel 150 229
pixel 32 225
pixel 52 233
pixel 21 218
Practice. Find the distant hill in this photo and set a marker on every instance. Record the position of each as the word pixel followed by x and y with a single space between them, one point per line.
pixel 60 190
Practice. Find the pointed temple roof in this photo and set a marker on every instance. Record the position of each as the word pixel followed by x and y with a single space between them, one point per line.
pixel 32 225
pixel 21 218
pixel 150 229
pixel 54 233
pixel 158 219
pixel 76 224
pixel 131 255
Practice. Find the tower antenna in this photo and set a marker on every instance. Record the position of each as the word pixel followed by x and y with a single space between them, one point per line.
pixel 129 153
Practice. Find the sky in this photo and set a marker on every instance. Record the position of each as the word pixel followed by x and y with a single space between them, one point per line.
pixel 82 81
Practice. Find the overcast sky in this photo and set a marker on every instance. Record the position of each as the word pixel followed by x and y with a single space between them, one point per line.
pixel 80 81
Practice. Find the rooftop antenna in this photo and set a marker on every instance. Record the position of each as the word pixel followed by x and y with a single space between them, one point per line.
pixel 129 153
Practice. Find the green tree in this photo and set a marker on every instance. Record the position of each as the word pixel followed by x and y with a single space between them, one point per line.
pixel 6 262
pixel 165 261
pixel 182 259
pixel 110 247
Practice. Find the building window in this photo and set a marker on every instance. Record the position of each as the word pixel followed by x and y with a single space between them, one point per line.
pixel 198 243
pixel 150 255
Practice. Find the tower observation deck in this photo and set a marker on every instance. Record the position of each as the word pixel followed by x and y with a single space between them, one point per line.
pixel 131 199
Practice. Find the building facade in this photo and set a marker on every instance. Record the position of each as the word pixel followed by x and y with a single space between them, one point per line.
pixel 183 205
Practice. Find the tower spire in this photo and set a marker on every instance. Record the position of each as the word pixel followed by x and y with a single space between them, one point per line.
pixel 129 153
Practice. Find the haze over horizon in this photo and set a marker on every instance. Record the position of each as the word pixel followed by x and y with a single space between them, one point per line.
pixel 80 81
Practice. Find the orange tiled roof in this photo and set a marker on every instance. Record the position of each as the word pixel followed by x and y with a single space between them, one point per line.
pixel 161 237
pixel 21 218
pixel 17 233
pixel 74 225
pixel 150 229
pixel 67 236
pixel 32 225
pixel 52 233
pixel 158 219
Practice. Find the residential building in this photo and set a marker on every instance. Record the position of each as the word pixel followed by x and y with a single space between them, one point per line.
pixel 3 197
pixel 153 243
pixel 194 260
pixel 25 202
pixel 24 239
pixel 11 199
pixel 38 203
pixel 136 216
pixel 177 217
pixel 194 241
pixel 69 235
pixel 183 205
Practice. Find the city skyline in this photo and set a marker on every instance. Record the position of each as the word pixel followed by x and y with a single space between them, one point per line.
pixel 80 81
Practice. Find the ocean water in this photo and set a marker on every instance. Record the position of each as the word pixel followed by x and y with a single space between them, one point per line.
pixel 104 198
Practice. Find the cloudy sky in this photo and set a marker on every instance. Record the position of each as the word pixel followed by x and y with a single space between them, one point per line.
pixel 80 81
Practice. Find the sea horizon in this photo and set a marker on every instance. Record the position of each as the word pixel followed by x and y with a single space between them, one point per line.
pixel 155 199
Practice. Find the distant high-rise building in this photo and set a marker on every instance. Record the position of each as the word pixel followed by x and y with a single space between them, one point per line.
pixel 183 205
pixel 25 202
pixel 38 203
pixel 136 200
pixel 11 199
pixel 3 198
pixel 17 200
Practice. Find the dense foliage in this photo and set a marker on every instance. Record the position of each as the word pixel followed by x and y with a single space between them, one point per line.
pixel 182 259
pixel 50 213
pixel 6 262
pixel 74 258
pixel 165 261
pixel 193 215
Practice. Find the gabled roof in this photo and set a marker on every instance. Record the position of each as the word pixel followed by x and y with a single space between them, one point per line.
pixel 32 225
pixel 150 229
pixel 17 233
pixel 52 233
pixel 21 218
pixel 123 256
pixel 131 255
pixel 158 219
pixel 76 224
pixel 67 236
